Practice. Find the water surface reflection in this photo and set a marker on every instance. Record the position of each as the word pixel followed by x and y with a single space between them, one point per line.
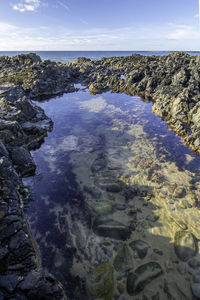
pixel 113 187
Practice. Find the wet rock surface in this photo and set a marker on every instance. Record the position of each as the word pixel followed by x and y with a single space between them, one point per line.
pixel 172 83
pixel 18 256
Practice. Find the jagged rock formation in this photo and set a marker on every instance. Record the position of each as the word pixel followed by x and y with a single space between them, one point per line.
pixel 171 82
pixel 22 128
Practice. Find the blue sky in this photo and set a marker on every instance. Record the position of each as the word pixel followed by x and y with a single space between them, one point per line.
pixel 99 25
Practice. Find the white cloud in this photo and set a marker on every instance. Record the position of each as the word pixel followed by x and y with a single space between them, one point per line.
pixel 169 37
pixel 6 28
pixel 26 5
pixel 179 32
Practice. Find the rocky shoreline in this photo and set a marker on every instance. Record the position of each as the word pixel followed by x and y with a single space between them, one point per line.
pixel 171 82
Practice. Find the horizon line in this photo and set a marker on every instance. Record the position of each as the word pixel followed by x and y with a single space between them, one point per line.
pixel 101 50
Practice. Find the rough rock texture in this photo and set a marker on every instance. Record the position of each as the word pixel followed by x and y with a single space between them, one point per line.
pixel 20 274
pixel 171 82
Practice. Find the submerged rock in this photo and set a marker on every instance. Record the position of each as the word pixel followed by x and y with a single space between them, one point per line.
pixel 99 164
pixel 91 189
pixel 103 207
pixel 100 282
pixel 123 259
pixel 113 188
pixel 111 228
pixel 140 247
pixel 171 81
pixel 142 276
pixel 194 263
pixel 185 245
pixel 196 289
pixel 195 286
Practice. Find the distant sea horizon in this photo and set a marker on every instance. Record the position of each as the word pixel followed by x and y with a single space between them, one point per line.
pixel 66 56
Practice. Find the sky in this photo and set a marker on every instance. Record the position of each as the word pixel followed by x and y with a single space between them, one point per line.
pixel 99 25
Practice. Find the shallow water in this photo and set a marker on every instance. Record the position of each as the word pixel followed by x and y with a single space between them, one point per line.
pixel 111 175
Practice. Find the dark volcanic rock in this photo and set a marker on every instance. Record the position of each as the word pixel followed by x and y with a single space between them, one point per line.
pixel 9 282
pixel 3 150
pixel 170 81
pixel 23 160
pixel 18 257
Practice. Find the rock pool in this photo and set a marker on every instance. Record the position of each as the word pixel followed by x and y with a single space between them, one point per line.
pixel 115 201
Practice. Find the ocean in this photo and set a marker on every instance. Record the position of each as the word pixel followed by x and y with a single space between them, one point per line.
pixel 66 56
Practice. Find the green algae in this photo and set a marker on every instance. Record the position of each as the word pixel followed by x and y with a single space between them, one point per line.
pixel 103 207
pixel 100 282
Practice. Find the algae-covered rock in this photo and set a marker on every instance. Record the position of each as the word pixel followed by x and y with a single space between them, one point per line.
pixel 103 207
pixel 100 282
pixel 142 276
pixel 123 260
pixel 111 228
pixel 185 245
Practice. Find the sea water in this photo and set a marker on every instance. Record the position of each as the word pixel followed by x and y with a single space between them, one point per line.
pixel 66 56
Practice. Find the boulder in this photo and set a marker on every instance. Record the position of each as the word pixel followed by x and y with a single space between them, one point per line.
pixel 185 245
pixel 23 161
